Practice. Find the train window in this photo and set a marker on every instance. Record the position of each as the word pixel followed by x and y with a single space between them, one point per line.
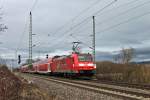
pixel 84 58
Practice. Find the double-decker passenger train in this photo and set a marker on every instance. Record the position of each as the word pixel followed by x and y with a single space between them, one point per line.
pixel 75 64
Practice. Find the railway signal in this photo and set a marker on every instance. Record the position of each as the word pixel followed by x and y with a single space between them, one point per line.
pixel 47 56
pixel 19 59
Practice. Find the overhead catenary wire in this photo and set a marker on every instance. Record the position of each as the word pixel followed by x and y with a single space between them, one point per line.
pixel 100 10
pixel 120 14
pixel 111 3
pixel 66 33
pixel 134 18
pixel 117 7
pixel 122 5
pixel 89 17
pixel 85 10
pixel 80 41
pixel 123 13
pixel 124 22
pixel 76 25
pixel 22 35
pixel 77 16
pixel 34 5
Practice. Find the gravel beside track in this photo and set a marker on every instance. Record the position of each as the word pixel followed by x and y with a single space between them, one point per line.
pixel 65 92
pixel 124 84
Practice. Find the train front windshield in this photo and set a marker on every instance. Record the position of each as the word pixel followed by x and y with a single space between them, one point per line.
pixel 85 57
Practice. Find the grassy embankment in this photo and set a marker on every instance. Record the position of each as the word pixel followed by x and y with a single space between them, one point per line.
pixel 17 88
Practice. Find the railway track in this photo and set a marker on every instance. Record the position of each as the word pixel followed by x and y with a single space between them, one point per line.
pixel 113 90
pixel 125 84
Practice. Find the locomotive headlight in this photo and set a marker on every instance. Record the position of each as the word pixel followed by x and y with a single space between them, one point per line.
pixel 81 64
pixel 90 64
pixel 94 65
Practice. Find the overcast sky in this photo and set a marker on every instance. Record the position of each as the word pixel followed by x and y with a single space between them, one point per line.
pixel 123 24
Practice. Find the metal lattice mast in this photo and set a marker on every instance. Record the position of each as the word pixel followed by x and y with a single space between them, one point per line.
pixel 93 39
pixel 30 40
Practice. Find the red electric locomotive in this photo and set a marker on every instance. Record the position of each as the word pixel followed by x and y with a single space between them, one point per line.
pixel 74 64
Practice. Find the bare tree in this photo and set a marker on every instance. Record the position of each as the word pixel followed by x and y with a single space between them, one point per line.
pixel 127 55
pixel 117 58
pixel 3 27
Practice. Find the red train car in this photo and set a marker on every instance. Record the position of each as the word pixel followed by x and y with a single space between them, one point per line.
pixel 24 68
pixel 42 66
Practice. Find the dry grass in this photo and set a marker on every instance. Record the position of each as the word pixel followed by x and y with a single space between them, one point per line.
pixel 33 92
pixel 14 88
pixel 10 86
pixel 133 73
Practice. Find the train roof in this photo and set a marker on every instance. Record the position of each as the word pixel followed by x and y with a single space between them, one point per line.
pixel 44 61
pixel 24 66
pixel 66 56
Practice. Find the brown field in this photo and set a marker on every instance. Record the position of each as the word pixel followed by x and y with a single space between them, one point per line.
pixel 133 73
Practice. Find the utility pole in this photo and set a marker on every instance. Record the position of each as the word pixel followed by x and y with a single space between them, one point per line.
pixel 93 39
pixel 30 40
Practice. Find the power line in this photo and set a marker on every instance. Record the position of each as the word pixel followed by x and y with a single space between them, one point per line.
pixel 34 5
pixel 124 22
pixel 122 5
pixel 114 1
pixel 92 14
pixel 86 9
pixel 95 3
pixel 76 25
pixel 59 40
pixel 66 33
pixel 80 41
pixel 131 9
pixel 22 35
pixel 82 28
pixel 123 13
